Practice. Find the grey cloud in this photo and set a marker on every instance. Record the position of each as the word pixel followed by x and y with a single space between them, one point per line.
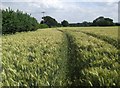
pixel 71 11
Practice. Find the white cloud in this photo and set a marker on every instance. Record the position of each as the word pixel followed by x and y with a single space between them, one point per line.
pixel 46 4
pixel 71 10
pixel 52 1
pixel 54 4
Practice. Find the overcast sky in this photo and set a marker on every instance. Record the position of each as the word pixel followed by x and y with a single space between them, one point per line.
pixel 70 10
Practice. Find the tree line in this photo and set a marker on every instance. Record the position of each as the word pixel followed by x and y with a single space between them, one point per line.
pixel 18 21
pixel 100 21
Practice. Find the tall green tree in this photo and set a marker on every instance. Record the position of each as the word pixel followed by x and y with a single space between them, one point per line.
pixel 64 23
pixel 101 21
pixel 17 21
pixel 51 22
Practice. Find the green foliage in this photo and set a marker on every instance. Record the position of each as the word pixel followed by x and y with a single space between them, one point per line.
pixel 62 57
pixel 42 26
pixel 17 21
pixel 51 22
pixel 59 25
pixel 64 23
pixel 101 21
pixel 93 62
pixel 34 59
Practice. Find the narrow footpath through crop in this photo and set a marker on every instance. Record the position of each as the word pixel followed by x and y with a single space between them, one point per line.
pixel 73 74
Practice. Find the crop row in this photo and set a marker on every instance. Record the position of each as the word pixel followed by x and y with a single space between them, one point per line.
pixel 96 62
pixel 58 58
pixel 107 34
pixel 105 38
pixel 34 59
pixel 111 32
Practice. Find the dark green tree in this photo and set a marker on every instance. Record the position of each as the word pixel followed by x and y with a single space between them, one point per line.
pixel 64 23
pixel 51 22
pixel 101 21
pixel 86 24
pixel 41 26
pixel 17 21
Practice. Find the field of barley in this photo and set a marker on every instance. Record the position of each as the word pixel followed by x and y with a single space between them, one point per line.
pixel 66 56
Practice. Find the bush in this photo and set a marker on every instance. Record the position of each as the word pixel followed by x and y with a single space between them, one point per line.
pixel 51 22
pixel 64 23
pixel 17 21
pixel 42 26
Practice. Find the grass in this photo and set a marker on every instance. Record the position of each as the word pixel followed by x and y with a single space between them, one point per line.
pixel 67 56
